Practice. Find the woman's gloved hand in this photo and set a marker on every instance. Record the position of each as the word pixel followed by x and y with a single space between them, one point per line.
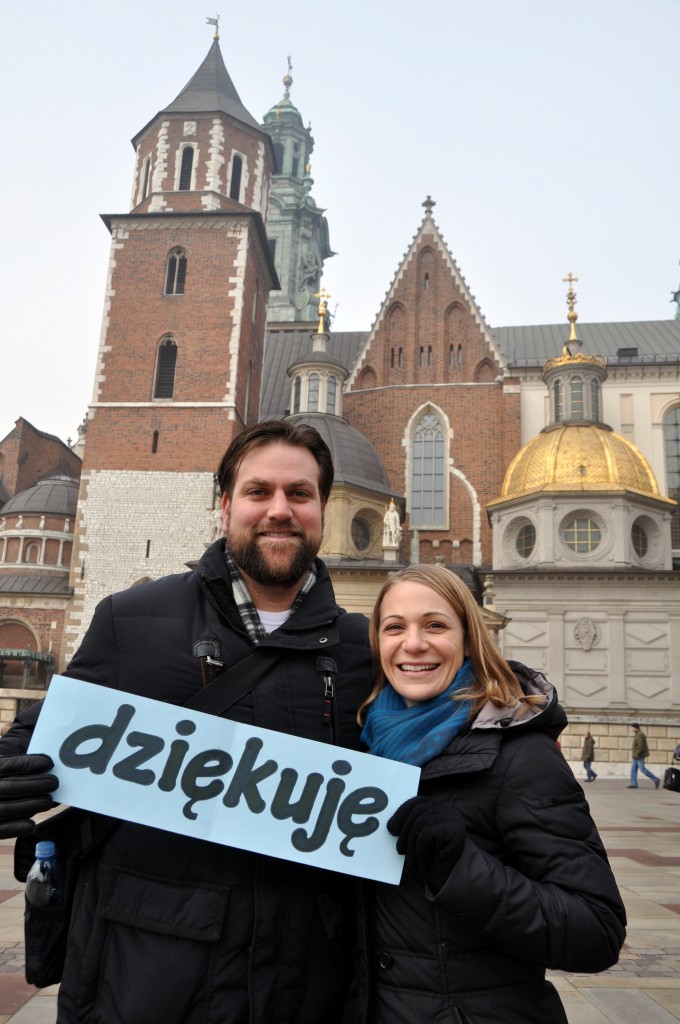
pixel 431 834
pixel 25 787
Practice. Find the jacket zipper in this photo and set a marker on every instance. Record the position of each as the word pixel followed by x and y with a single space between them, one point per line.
pixel 328 668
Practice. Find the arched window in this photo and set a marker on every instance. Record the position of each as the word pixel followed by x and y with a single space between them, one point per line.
pixel 460 355
pixel 422 355
pixel 576 398
pixel 400 359
pixel 331 388
pixel 278 155
pixel 671 436
pixel 31 553
pixel 427 476
pixel 559 402
pixel 297 387
pixel 175 272
pixel 313 393
pixel 146 170
pixel 186 169
pixel 451 357
pixel 235 185
pixel 165 369
pixel 594 400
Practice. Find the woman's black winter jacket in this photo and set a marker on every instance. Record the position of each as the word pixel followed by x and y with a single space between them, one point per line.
pixel 532 888
pixel 168 929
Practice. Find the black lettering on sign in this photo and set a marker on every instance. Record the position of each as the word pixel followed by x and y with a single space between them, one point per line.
pixel 110 735
pixel 129 768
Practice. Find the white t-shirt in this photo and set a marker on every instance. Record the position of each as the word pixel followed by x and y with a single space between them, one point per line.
pixel 272 620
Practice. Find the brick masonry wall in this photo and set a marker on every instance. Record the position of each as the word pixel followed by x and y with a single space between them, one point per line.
pixel 429 308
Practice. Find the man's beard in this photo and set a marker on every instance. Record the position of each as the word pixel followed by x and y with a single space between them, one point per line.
pixel 252 558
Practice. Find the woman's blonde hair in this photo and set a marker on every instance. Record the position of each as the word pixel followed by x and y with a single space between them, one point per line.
pixel 494 680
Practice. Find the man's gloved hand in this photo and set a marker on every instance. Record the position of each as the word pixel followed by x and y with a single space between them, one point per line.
pixel 431 835
pixel 25 788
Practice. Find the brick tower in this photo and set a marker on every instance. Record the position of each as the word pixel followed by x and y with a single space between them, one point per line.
pixel 180 354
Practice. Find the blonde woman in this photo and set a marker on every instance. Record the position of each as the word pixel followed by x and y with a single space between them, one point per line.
pixel 505 874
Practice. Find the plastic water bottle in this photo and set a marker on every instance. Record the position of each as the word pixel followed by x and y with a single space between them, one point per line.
pixel 45 880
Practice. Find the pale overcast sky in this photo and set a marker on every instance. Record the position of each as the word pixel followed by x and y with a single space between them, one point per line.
pixel 547 133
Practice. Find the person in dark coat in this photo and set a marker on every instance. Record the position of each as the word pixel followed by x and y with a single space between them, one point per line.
pixel 505 874
pixel 169 929
pixel 588 756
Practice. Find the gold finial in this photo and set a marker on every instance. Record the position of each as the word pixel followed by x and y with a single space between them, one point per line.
pixel 216 22
pixel 288 80
pixel 323 296
pixel 572 315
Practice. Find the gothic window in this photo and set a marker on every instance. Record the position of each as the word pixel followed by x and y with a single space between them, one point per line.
pixel 427 475
pixel 426 282
pixel 297 389
pixel 175 272
pixel 164 386
pixel 400 360
pixel 186 169
pixel 313 393
pixel 331 388
pixel 154 442
pixel 576 398
pixel 429 355
pixel 460 355
pixel 671 434
pixel 422 355
pixel 451 357
pixel 235 186
pixel 392 359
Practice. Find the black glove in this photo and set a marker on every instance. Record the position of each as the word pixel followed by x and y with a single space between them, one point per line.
pixel 25 789
pixel 431 835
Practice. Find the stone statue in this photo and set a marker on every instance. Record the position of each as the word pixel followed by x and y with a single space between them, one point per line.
pixel 392 532
pixel 215 523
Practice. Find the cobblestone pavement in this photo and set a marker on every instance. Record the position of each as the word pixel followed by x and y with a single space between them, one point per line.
pixel 641 830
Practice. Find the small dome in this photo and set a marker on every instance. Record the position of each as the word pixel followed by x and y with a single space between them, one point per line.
pixel 579 458
pixel 56 496
pixel 354 457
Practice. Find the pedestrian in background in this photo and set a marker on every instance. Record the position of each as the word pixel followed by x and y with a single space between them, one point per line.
pixel 588 756
pixel 640 752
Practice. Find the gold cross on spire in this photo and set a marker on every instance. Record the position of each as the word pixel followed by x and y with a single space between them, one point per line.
pixel 323 296
pixel 572 315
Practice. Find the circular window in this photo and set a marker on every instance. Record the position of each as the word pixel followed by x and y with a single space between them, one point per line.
pixel 361 533
pixel 526 540
pixel 582 534
pixel 640 540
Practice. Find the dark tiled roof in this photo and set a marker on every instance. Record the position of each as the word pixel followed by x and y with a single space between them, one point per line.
pixel 656 341
pixel 39 584
pixel 355 459
pixel 284 347
pixel 210 89
pixel 53 496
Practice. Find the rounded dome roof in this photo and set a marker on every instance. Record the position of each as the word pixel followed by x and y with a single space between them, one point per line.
pixel 55 496
pixel 586 458
pixel 354 457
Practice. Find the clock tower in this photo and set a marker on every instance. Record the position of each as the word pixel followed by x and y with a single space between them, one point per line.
pixel 180 353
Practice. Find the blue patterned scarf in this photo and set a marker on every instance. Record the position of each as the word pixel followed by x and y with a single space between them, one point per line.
pixel 416 734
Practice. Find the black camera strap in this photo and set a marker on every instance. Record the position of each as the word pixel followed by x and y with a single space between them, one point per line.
pixel 230 686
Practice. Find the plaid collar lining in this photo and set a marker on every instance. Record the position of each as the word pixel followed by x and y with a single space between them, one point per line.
pixel 246 608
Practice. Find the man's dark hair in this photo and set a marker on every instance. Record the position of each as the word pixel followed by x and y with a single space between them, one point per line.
pixel 299 435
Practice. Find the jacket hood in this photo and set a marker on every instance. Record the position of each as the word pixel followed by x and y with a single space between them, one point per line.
pixel 549 717
pixel 477 749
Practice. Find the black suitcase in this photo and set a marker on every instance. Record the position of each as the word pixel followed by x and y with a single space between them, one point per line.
pixel 671 779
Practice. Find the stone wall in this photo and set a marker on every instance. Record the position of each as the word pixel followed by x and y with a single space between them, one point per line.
pixel 614 740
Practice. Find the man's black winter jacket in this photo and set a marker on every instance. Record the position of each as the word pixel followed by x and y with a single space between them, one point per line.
pixel 172 930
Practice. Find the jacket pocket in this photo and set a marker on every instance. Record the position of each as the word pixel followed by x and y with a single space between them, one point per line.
pixel 158 947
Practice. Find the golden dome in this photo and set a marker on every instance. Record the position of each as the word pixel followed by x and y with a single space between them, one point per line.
pixel 584 458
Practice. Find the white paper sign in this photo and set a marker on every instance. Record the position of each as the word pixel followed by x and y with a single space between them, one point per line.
pixel 200 775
